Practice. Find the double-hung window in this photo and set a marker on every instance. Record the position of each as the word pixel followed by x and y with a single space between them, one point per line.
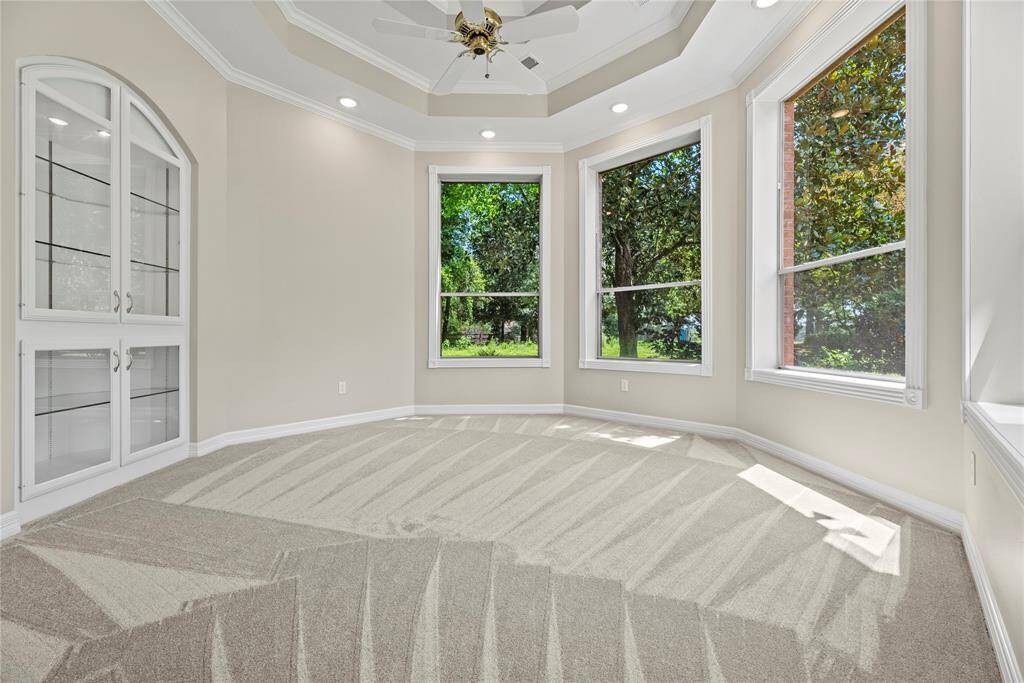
pixel 645 239
pixel 836 213
pixel 489 256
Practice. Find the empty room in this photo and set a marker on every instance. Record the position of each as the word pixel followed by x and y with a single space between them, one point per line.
pixel 514 340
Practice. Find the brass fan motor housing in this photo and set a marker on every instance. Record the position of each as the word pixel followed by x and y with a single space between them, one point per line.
pixel 479 39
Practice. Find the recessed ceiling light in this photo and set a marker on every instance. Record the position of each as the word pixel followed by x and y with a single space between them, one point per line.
pixel 347 102
pixel 840 113
pixel 620 107
pixel 487 134
pixel 763 4
pixel 103 133
pixel 58 122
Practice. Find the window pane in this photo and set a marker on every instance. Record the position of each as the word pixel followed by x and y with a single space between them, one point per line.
pixel 156 235
pixel 72 411
pixel 72 210
pixel 93 96
pixel 650 220
pixel 154 396
pixel 850 316
pixel 145 131
pixel 653 324
pixel 490 237
pixel 474 326
pixel 844 154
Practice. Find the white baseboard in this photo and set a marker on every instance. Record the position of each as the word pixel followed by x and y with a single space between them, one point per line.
pixel 491 409
pixel 1008 665
pixel 939 514
pixel 214 443
pixel 701 428
pixel 10 524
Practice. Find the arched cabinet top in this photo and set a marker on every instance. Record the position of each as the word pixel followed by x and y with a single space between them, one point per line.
pixel 98 95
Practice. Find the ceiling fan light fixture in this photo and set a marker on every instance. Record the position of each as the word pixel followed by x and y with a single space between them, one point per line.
pixel 487 134
pixel 762 4
pixel 347 102
pixel 619 107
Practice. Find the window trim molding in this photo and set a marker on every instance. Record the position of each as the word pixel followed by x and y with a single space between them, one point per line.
pixel 687 133
pixel 850 24
pixel 497 174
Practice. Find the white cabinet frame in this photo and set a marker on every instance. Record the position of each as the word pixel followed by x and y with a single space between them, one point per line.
pixel 138 341
pixel 179 161
pixel 29 487
pixel 119 329
pixel 31 85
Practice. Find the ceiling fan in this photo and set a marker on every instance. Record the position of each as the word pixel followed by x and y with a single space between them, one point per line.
pixel 481 33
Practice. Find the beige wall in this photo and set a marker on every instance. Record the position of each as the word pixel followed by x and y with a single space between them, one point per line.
pixel 488 385
pixel 702 399
pixel 133 42
pixel 996 518
pixel 319 271
pixel 915 450
pixel 293 215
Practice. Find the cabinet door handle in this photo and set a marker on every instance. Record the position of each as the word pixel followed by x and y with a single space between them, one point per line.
pixel 117 301
pixel 128 360
pixel 117 361
pixel 131 304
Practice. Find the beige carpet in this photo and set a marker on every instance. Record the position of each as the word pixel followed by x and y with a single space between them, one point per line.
pixel 488 547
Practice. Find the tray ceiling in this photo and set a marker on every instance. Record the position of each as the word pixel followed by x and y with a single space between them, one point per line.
pixel 656 55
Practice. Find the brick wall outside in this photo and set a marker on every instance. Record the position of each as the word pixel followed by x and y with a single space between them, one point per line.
pixel 788 233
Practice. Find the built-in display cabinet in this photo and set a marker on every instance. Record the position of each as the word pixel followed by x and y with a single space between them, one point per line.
pixel 102 327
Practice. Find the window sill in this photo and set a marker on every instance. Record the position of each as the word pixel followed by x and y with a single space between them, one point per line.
pixel 1000 429
pixel 489 362
pixel 886 391
pixel 667 368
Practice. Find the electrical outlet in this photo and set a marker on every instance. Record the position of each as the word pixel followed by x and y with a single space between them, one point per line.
pixel 623 385
pixel 342 388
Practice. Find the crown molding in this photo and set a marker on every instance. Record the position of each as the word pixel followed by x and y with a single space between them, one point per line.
pixel 169 13
pixel 796 13
pixel 307 22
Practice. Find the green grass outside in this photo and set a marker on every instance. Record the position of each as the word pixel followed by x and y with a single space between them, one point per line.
pixel 495 350
pixel 644 349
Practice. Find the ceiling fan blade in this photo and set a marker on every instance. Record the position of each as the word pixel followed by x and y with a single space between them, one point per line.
pixel 472 10
pixel 451 75
pixel 556 22
pixel 399 28
pixel 513 70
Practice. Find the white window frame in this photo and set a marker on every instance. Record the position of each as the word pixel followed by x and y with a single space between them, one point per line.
pixel 590 248
pixel 847 27
pixel 501 174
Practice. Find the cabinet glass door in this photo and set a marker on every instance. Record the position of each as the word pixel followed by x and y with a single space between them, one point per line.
pixel 155 231
pixel 74 244
pixel 154 405
pixel 72 413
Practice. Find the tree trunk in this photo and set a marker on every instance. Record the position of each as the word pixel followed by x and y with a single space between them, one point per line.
pixel 626 310
pixel 446 309
pixel 624 303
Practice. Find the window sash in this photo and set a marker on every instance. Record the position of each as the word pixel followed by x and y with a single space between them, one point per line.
pixel 843 258
pixel 637 288
pixel 490 295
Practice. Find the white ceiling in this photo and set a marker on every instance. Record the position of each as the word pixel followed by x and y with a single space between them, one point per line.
pixel 235 37
pixel 608 29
